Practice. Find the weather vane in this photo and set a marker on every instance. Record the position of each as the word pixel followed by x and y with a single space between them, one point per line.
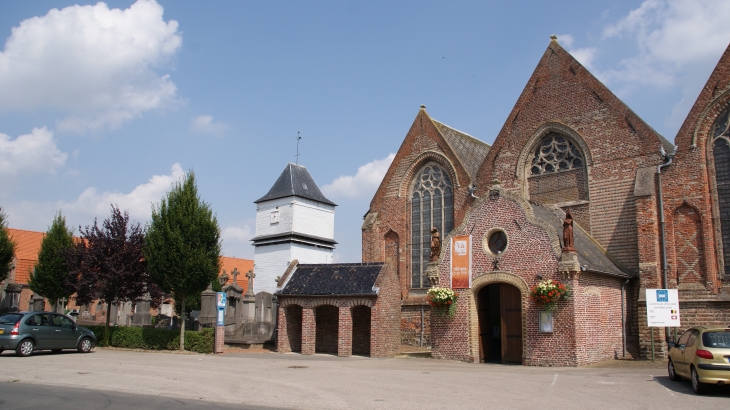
pixel 298 138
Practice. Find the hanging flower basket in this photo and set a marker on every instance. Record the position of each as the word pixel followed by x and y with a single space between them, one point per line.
pixel 548 292
pixel 443 301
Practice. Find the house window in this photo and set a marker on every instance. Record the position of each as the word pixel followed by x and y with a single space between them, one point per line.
pixel 721 156
pixel 432 206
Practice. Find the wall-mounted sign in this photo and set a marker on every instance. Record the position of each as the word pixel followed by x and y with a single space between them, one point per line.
pixel 461 262
pixel 662 308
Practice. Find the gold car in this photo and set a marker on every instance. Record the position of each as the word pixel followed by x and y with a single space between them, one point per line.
pixel 701 354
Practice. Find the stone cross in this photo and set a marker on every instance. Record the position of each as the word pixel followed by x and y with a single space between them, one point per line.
pixel 235 274
pixel 250 275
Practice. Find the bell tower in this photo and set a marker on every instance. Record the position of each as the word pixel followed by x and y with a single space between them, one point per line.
pixel 294 220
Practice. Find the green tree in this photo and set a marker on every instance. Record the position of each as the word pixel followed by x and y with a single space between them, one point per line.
pixel 49 278
pixel 7 247
pixel 182 245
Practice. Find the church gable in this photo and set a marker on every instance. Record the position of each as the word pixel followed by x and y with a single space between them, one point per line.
pixel 561 91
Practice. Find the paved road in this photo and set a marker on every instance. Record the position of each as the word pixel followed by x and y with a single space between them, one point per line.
pixel 126 379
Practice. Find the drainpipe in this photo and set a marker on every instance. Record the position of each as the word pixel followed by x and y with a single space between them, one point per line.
pixel 422 326
pixel 623 320
pixel 668 159
pixel 472 188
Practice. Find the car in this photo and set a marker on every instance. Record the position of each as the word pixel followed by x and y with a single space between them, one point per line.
pixel 702 354
pixel 26 332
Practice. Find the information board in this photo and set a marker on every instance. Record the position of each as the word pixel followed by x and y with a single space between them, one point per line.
pixel 662 308
pixel 221 305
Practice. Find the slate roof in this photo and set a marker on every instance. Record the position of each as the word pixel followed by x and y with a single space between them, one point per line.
pixel 470 150
pixel 591 256
pixel 356 279
pixel 295 181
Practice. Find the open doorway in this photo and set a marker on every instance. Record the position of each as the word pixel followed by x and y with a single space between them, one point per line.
pixel 499 307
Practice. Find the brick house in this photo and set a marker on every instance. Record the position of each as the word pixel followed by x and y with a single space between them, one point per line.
pixel 568 143
pixel 342 309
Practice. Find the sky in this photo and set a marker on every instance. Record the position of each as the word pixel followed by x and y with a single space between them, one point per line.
pixel 111 103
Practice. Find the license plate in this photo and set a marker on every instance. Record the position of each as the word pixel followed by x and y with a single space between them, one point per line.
pixel 2 331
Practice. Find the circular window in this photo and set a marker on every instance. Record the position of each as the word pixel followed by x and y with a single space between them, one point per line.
pixel 497 242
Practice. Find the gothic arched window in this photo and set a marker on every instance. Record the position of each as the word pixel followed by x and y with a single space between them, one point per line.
pixel 556 153
pixel 721 155
pixel 432 206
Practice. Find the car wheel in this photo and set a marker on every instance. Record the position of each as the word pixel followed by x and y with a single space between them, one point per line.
pixel 673 376
pixel 85 345
pixel 25 348
pixel 697 386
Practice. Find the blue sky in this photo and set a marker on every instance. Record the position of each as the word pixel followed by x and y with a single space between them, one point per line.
pixel 111 102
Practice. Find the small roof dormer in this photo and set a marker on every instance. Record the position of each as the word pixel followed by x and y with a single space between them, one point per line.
pixel 295 181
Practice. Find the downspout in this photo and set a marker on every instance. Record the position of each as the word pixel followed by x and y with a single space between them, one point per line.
pixel 668 159
pixel 472 188
pixel 623 320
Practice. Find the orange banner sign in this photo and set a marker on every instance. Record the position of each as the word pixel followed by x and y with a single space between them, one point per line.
pixel 461 262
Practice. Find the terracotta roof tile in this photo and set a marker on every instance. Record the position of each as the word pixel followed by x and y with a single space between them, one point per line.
pixel 243 265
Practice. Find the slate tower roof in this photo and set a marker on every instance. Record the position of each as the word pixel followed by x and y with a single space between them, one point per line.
pixel 295 181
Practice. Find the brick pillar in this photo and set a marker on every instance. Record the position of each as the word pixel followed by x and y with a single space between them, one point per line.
pixel 309 331
pixel 344 333
pixel 282 339
pixel 220 334
pixel 650 271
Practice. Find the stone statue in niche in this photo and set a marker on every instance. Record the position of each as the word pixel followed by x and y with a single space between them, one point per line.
pixel 568 244
pixel 435 245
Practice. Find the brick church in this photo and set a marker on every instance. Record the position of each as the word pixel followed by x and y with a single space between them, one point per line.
pixel 647 213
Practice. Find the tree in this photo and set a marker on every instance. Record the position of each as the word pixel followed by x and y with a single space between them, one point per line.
pixel 7 248
pixel 108 263
pixel 183 244
pixel 50 276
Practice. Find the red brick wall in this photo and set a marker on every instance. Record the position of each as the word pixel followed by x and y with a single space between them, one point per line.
pixel 617 142
pixel 410 325
pixel 587 328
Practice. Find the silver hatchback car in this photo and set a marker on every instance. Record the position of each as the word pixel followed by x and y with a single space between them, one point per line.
pixel 26 332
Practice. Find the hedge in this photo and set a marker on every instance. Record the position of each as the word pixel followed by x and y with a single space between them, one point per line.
pixel 153 339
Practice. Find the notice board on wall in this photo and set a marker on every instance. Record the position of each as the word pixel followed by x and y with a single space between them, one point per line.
pixel 461 262
pixel 662 308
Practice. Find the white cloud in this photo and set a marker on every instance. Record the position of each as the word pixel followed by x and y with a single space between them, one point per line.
pixel 670 35
pixel 94 204
pixel 205 124
pixel 364 183
pixel 30 153
pixel 584 55
pixel 236 241
pixel 93 64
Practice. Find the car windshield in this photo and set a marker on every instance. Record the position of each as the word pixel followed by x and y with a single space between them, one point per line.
pixel 716 339
pixel 10 318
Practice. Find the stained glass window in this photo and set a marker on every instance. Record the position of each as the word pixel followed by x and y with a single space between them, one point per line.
pixel 721 155
pixel 432 206
pixel 556 153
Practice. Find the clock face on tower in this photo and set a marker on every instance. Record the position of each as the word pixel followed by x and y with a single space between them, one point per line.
pixel 275 216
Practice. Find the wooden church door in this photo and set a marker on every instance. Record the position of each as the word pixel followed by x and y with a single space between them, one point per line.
pixel 511 318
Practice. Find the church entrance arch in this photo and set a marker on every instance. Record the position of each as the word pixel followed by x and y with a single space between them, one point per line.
pixel 499 323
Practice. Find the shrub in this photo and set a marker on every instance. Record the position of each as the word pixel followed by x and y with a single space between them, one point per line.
pixel 153 339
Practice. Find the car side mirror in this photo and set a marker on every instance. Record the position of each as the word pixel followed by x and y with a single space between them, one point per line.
pixel 671 344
